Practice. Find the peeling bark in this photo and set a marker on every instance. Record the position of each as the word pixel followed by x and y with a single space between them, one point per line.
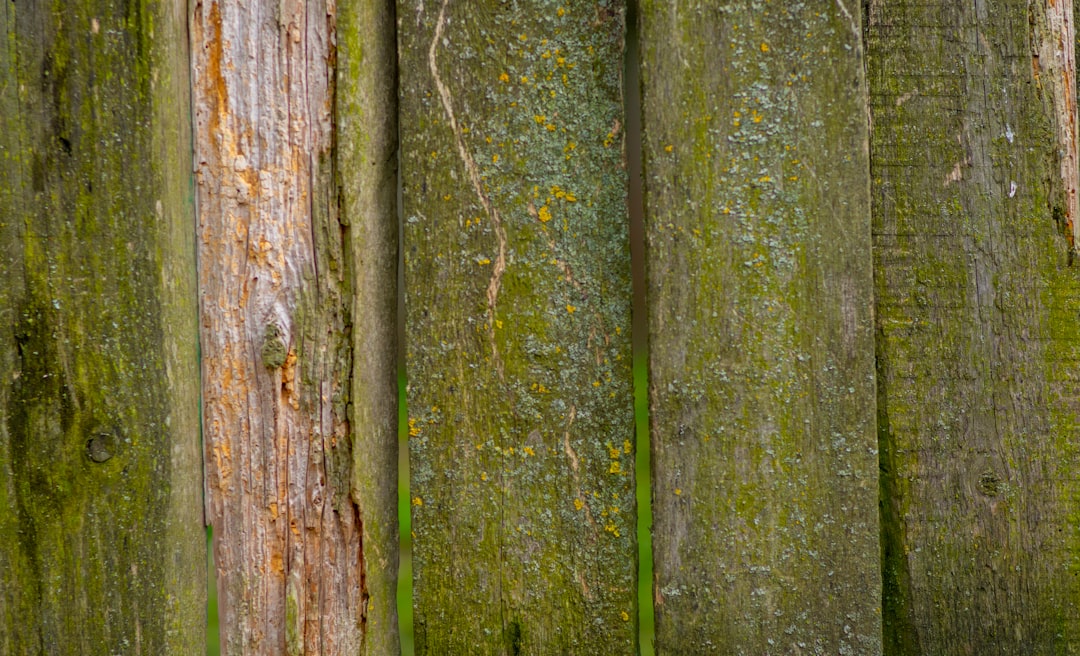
pixel 294 252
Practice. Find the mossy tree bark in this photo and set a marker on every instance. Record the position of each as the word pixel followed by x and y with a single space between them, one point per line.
pixel 518 316
pixel 977 302
pixel 295 139
pixel 760 328
pixel 102 549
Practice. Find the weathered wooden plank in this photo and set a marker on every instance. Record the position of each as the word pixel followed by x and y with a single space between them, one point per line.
pixel 518 314
pixel 102 549
pixel 760 328
pixel 297 246
pixel 977 302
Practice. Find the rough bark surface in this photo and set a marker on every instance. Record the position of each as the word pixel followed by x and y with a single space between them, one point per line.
pixel 760 328
pixel 977 302
pixel 296 273
pixel 518 314
pixel 102 549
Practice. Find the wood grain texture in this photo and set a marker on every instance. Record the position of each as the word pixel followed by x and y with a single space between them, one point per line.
pixel 102 549
pixel 761 363
pixel 367 142
pixel 295 277
pixel 518 314
pixel 977 303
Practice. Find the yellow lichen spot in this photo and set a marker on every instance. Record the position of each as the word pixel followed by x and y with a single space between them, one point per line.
pixel 417 501
pixel 757 118
pixel 510 451
pixel 678 492
pixel 447 197
pixel 565 80
pixel 571 198
pixel 523 37
pixel 560 61
pixel 625 617
pixel 794 178
pixel 550 127
pixel 764 47
pixel 544 214
pixel 540 119
pixel 546 55
pixel 484 261
pixel 495 158
pixel 615 468
pixel 626 446
pixel 560 12
pixel 414 430
pixel 727 210
pixel 524 80
pixel 668 148
pixel 483 476
pixel 613 452
pixel 571 309
pixel 529 451
pixel 764 178
pixel 596 383
pixel 578 504
pixel 551 93
pixel 504 78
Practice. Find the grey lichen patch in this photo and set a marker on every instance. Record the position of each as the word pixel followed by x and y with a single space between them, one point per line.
pixel 274 351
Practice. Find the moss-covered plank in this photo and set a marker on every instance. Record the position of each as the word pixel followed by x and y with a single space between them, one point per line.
pixel 297 246
pixel 518 316
pixel 102 549
pixel 760 292
pixel 977 304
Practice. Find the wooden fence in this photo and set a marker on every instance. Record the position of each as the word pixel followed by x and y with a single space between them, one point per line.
pixel 861 315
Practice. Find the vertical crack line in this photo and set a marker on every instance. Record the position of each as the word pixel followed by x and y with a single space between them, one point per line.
pixel 474 177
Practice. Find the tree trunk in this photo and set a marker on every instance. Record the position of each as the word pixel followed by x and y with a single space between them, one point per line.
pixel 760 328
pixel 297 239
pixel 978 297
pixel 102 549
pixel 518 316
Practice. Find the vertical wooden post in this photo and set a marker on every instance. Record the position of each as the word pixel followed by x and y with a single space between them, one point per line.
pixel 978 299
pixel 102 549
pixel 760 328
pixel 297 246
pixel 518 315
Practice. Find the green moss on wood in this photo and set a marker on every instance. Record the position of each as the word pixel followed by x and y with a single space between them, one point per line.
pixel 518 298
pixel 98 399
pixel 976 328
pixel 761 351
